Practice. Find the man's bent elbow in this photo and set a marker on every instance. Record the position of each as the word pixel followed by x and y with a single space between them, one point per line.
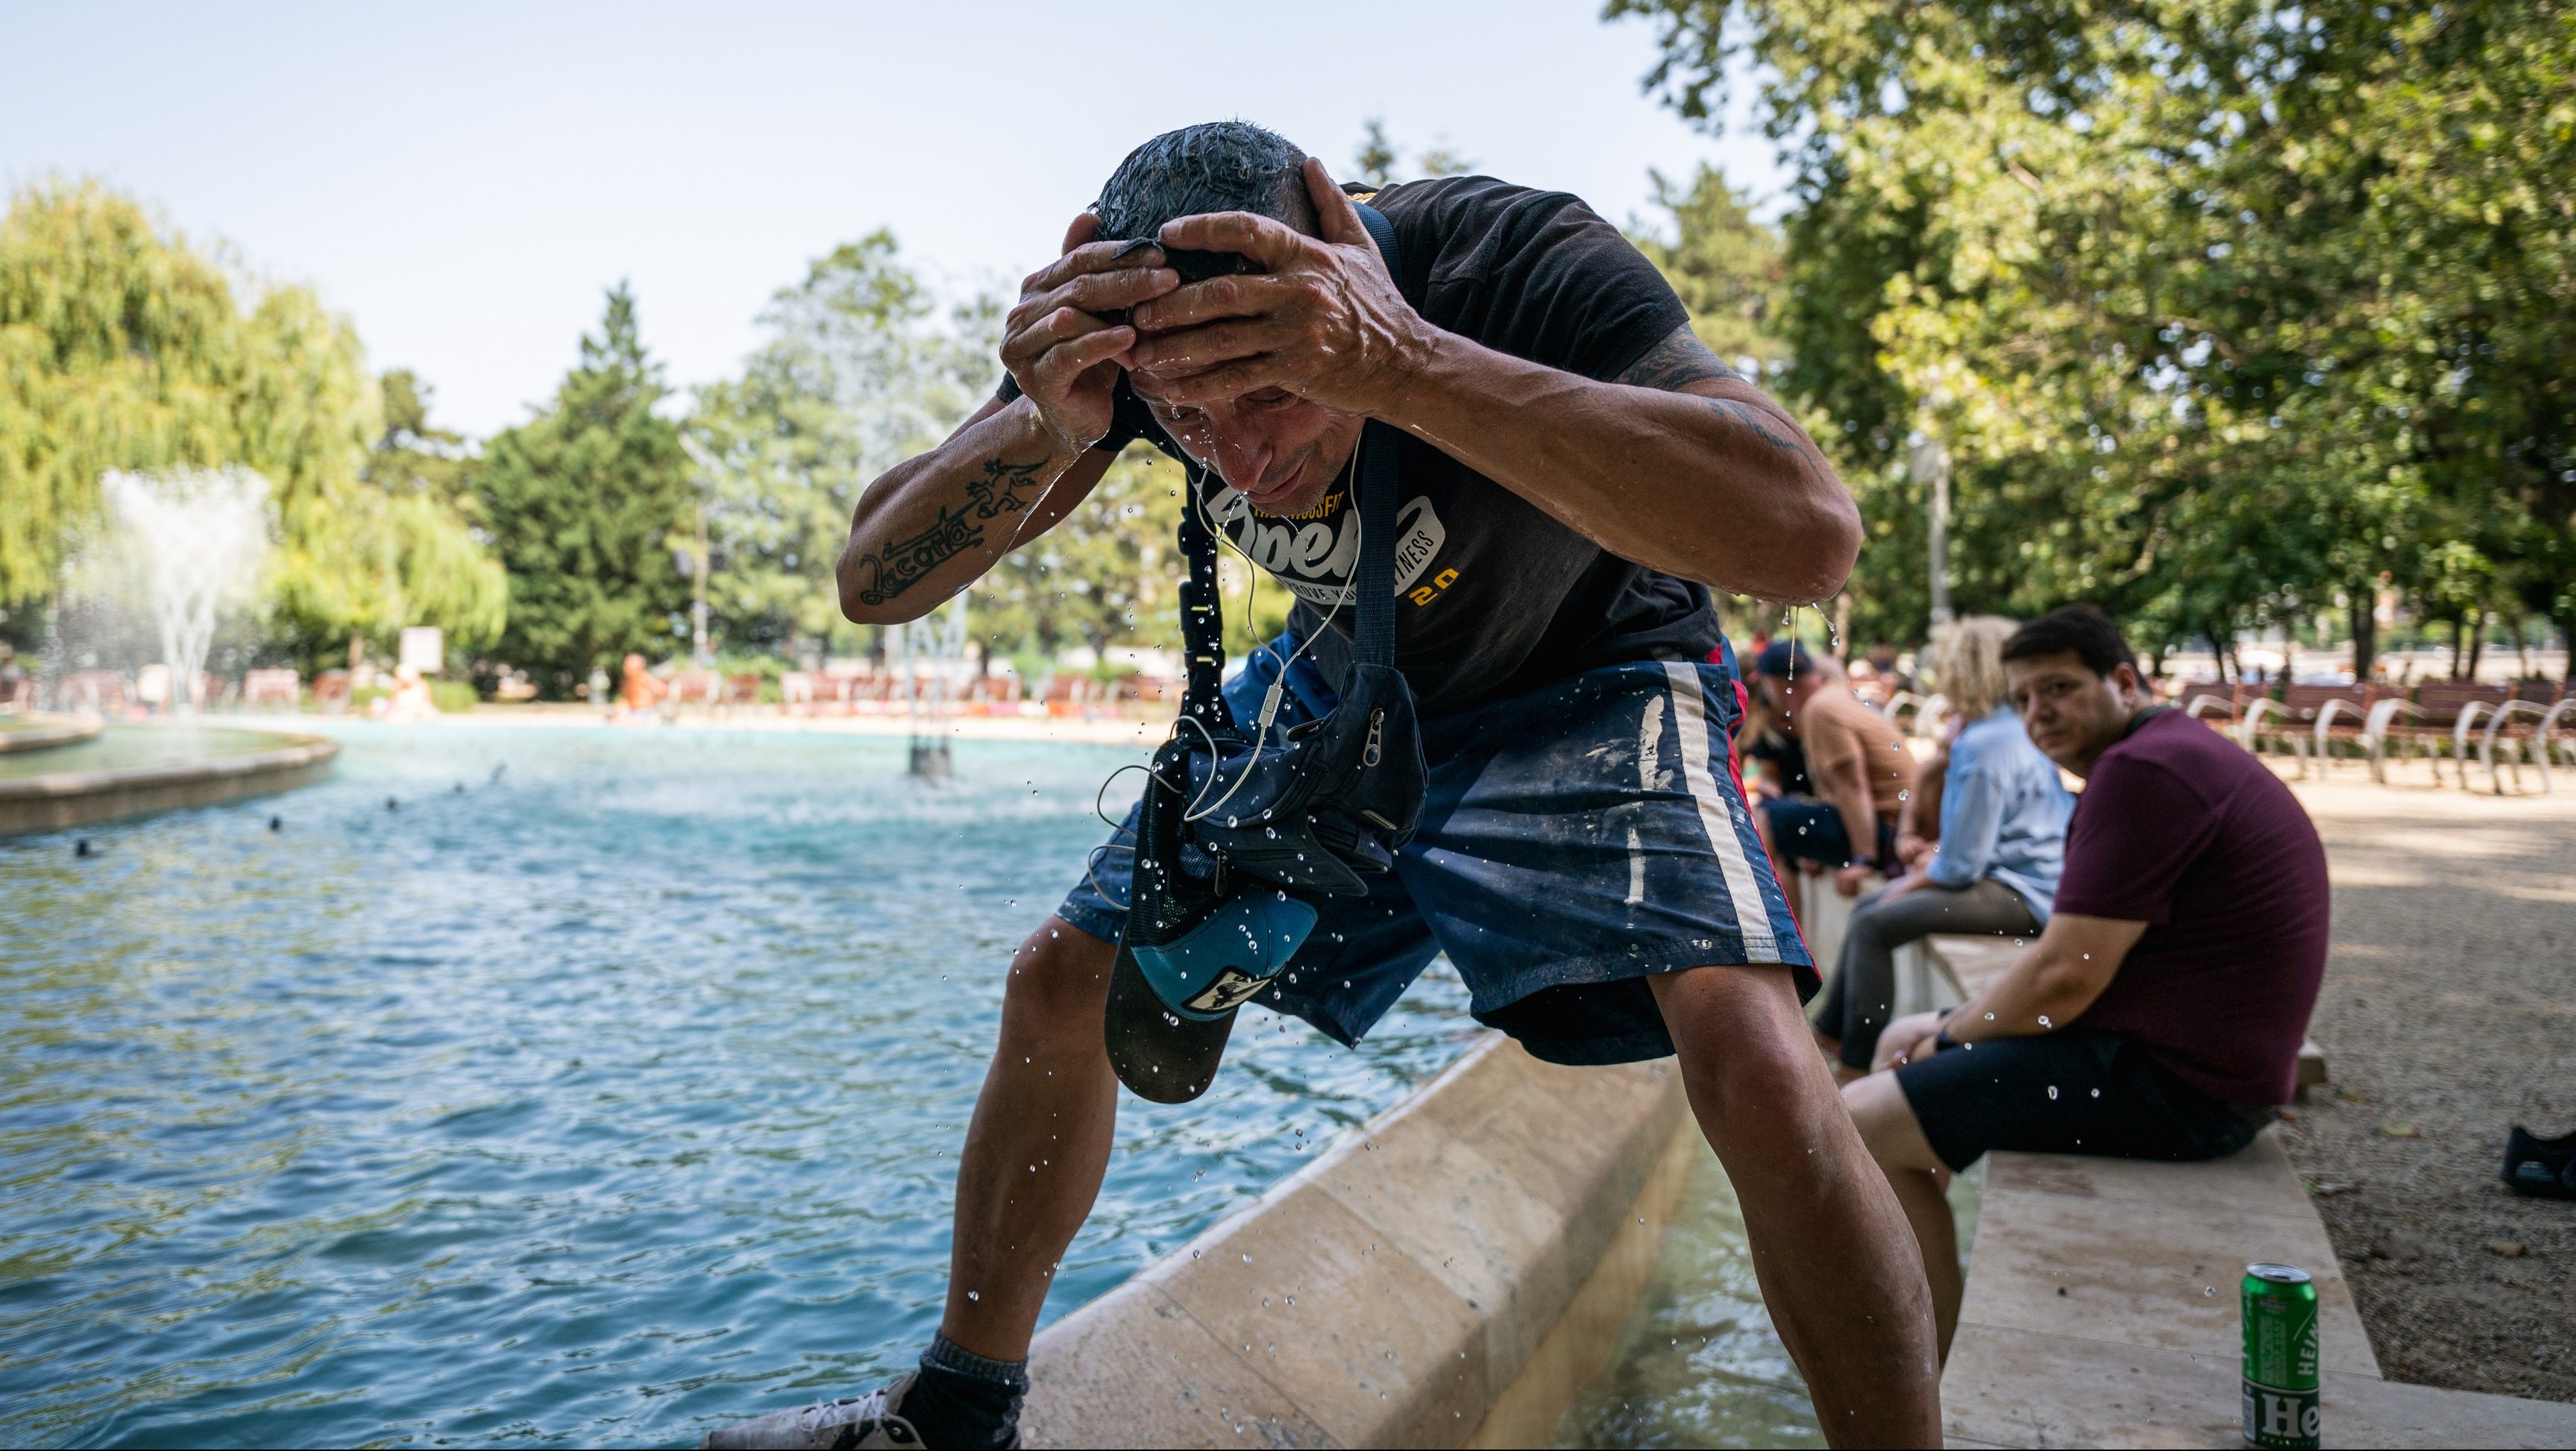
pixel 857 576
pixel 1814 557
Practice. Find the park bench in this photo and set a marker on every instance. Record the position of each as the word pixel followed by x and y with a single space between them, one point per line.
pixel 2442 712
pixel 271 687
pixel 2314 717
pixel 2215 701
pixel 2541 708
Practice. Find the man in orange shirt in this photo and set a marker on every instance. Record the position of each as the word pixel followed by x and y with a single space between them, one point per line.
pixel 1857 760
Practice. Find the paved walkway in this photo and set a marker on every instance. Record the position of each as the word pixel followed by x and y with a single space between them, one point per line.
pixel 2449 1012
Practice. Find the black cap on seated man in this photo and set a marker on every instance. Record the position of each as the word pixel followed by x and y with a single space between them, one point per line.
pixel 1575 471
pixel 2161 1011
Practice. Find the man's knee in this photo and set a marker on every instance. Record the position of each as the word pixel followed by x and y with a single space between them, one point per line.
pixel 1061 971
pixel 1740 1032
pixel 1887 1123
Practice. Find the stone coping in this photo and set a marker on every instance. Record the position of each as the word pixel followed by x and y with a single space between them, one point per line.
pixel 2102 1309
pixel 43 732
pixel 62 799
pixel 1401 1289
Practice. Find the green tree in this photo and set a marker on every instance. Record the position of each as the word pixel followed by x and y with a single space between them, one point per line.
pixel 1377 159
pixel 2222 311
pixel 1107 575
pixel 121 347
pixel 585 504
pixel 854 373
pixel 1726 266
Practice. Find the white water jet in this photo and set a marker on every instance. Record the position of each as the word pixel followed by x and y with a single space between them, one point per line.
pixel 198 537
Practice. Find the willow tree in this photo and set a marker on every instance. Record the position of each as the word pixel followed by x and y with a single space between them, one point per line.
pixel 121 347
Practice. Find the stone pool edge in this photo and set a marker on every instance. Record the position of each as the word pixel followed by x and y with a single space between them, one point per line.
pixel 64 799
pixel 1449 1275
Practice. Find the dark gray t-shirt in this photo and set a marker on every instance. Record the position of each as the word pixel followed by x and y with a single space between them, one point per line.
pixel 1495 597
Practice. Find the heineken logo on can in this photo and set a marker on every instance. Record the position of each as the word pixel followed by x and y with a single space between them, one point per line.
pixel 2280 1320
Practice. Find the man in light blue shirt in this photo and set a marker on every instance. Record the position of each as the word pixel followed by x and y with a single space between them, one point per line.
pixel 2003 839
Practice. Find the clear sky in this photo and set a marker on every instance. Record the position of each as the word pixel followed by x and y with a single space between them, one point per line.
pixel 462 180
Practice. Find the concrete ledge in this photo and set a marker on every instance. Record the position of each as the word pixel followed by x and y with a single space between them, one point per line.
pixel 62 799
pixel 1393 1292
pixel 2101 1309
pixel 43 732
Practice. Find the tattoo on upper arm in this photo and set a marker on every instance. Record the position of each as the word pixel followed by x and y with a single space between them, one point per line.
pixel 1004 488
pixel 1678 360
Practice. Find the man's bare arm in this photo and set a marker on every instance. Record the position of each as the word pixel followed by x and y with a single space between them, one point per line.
pixel 1680 465
pixel 931 525
pixel 935 523
pixel 2049 987
pixel 1687 469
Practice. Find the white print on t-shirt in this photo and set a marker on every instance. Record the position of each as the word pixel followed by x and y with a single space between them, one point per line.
pixel 1314 557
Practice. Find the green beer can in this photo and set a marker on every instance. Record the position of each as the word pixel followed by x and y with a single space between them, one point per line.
pixel 2280 1357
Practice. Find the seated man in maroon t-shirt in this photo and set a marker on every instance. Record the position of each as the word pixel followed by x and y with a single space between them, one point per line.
pixel 2160 1014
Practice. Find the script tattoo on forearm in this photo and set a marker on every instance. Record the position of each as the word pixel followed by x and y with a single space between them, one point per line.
pixel 1002 488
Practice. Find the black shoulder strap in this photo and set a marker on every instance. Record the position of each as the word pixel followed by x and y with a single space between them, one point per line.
pixel 1202 623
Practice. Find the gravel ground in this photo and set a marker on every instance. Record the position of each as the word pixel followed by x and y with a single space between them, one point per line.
pixel 2449 1012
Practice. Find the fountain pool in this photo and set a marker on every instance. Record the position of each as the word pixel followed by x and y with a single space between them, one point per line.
pixel 555 1085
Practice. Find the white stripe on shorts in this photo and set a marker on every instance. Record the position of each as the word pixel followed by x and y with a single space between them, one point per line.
pixel 1716 815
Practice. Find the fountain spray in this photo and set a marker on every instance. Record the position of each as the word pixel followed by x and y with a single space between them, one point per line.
pixel 200 535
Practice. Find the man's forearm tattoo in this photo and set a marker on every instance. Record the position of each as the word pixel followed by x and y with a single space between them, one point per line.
pixel 1680 359
pixel 1004 488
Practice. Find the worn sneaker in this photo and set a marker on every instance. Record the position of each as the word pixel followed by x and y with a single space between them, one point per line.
pixel 2543 1168
pixel 871 1420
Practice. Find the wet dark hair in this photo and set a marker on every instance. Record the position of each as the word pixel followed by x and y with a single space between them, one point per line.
pixel 1216 166
pixel 2078 630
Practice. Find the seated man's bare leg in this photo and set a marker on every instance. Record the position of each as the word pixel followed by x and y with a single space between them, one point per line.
pixel 1039 1142
pixel 1838 1270
pixel 1895 1139
pixel 1788 879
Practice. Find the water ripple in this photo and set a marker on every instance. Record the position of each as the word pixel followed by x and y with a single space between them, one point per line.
pixel 596 1104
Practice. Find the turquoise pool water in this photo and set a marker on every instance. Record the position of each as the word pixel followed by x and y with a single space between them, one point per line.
pixel 602 1089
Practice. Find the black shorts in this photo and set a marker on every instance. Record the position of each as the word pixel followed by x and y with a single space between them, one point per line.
pixel 2068 1092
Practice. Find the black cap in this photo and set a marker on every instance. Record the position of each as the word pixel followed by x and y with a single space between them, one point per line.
pixel 1161 1056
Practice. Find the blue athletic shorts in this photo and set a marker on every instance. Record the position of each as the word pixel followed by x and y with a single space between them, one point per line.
pixel 1574 841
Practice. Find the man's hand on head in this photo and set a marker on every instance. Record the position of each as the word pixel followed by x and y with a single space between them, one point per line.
pixel 1063 342
pixel 1321 318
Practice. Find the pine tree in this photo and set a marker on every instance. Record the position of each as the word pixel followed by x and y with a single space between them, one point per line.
pixel 582 503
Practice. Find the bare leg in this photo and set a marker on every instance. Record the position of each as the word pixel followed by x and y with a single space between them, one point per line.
pixel 1039 1142
pixel 1838 1271
pixel 1786 871
pixel 1895 1139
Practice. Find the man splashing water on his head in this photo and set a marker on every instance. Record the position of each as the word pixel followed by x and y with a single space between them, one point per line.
pixel 1576 471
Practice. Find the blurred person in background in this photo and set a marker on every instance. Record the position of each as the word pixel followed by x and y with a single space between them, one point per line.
pixel 2002 836
pixel 639 690
pixel 1857 761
